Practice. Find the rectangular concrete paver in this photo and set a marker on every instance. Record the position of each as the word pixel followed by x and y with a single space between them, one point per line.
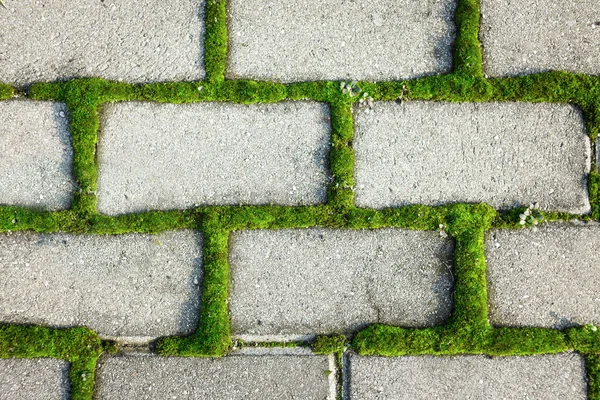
pixel 230 378
pixel 36 157
pixel 340 39
pixel 127 286
pixel 549 278
pixel 293 283
pixel 540 377
pixel 503 154
pixel 137 41
pixel 167 156
pixel 528 36
pixel 33 379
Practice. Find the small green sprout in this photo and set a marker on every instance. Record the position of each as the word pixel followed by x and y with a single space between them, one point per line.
pixel 530 217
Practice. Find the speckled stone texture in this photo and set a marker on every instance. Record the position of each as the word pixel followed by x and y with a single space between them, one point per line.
pixel 298 282
pixel 503 154
pixel 36 156
pixel 129 287
pixel 213 154
pixel 339 39
pixel 34 379
pixel 134 40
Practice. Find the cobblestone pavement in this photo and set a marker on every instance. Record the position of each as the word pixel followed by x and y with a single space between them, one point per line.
pixel 329 199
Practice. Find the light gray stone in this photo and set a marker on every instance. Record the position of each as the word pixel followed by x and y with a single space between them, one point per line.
pixel 528 36
pixel 229 378
pixel 339 39
pixel 137 41
pixel 168 156
pixel 36 157
pixel 557 376
pixel 130 287
pixel 300 282
pixel 33 379
pixel 549 278
pixel 503 154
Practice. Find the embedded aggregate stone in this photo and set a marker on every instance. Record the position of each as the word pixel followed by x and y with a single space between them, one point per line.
pixel 524 36
pixel 135 41
pixel 34 378
pixel 557 376
pixel 298 282
pixel 503 154
pixel 36 156
pixel 549 278
pixel 228 378
pixel 168 156
pixel 128 287
pixel 308 40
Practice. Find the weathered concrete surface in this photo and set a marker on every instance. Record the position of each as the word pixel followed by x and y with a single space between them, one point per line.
pixel 137 41
pixel 527 36
pixel 36 157
pixel 33 379
pixel 338 39
pixel 292 283
pixel 503 154
pixel 229 378
pixel 214 153
pixel 559 376
pixel 548 278
pixel 130 287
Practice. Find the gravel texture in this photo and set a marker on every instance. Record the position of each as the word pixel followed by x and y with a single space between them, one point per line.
pixel 36 156
pixel 136 40
pixel 229 378
pixel 214 153
pixel 549 278
pixel 527 36
pixel 559 376
pixel 129 287
pixel 503 154
pixel 339 39
pixel 299 282
pixel 33 379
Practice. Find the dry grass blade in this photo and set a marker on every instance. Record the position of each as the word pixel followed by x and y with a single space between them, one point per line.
pixel 3 5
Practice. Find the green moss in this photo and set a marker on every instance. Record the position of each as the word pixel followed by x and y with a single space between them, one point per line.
pixel 215 42
pixel 6 91
pixel 592 367
pixel 328 344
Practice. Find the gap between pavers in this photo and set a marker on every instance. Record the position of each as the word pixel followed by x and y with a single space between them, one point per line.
pixel 545 278
pixel 292 284
pixel 214 154
pixel 504 154
pixel 130 287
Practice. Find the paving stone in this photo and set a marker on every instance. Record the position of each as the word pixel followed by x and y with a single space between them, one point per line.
pixel 227 378
pixel 130 287
pixel 36 156
pixel 528 36
pixel 214 153
pixel 338 39
pixel 503 154
pixel 299 282
pixel 137 41
pixel 557 376
pixel 32 379
pixel 549 278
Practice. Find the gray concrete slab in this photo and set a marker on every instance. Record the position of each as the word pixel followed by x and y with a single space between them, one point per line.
pixel 527 36
pixel 557 376
pixel 299 282
pixel 136 41
pixel 503 154
pixel 33 379
pixel 214 153
pixel 130 287
pixel 36 156
pixel 549 278
pixel 229 378
pixel 339 39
